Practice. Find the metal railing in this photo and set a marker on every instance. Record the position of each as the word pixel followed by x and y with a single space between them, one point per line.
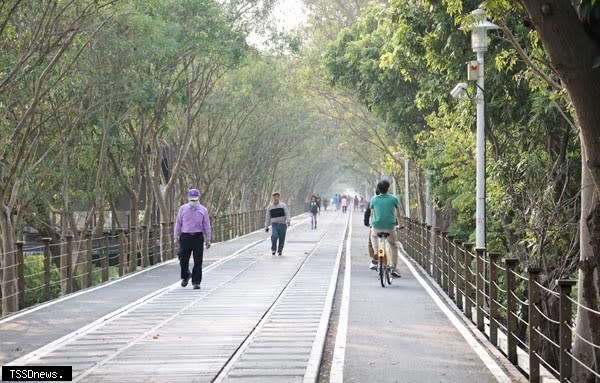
pixel 56 268
pixel 507 306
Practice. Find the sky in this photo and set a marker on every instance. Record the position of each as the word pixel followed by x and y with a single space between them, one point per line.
pixel 287 14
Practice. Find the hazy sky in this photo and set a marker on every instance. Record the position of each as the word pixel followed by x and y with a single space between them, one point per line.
pixel 287 14
pixel 290 13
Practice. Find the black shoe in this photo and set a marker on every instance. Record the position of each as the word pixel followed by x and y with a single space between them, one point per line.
pixel 196 287
pixel 279 253
pixel 272 253
pixel 184 281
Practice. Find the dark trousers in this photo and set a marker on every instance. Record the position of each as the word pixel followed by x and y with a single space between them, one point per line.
pixel 191 243
pixel 278 231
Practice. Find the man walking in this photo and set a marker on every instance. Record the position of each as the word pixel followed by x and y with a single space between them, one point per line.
pixel 192 231
pixel 278 216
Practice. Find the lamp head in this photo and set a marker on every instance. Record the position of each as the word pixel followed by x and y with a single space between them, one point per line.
pixel 479 41
pixel 459 91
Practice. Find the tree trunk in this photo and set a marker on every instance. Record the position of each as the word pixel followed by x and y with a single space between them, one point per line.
pixel 572 53
pixel 586 325
pixel 10 301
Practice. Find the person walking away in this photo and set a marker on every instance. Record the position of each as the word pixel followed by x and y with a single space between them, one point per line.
pixel 314 209
pixel 355 203
pixel 385 215
pixel 344 204
pixel 192 231
pixel 278 217
pixel 362 203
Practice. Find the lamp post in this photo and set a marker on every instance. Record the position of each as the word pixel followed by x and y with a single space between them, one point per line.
pixel 479 44
pixel 398 155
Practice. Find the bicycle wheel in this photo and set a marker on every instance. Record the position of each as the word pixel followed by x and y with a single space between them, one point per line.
pixel 381 270
pixel 388 275
pixel 388 268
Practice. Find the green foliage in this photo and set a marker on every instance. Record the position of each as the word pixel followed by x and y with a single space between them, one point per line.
pixel 34 280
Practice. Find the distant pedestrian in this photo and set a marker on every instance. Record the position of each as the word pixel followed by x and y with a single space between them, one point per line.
pixel 362 203
pixel 278 217
pixel 355 203
pixel 344 202
pixel 314 209
pixel 192 231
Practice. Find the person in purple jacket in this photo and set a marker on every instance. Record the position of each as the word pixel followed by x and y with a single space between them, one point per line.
pixel 192 231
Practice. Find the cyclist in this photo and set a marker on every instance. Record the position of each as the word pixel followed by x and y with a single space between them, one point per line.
pixel 314 209
pixel 367 222
pixel 385 215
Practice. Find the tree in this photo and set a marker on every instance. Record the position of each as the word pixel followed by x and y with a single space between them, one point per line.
pixel 36 37
pixel 573 45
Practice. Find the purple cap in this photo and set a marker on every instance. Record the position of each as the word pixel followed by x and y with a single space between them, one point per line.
pixel 193 194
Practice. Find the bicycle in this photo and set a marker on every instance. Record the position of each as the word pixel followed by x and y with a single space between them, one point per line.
pixel 383 268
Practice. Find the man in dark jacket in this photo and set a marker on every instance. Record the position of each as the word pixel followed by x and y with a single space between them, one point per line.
pixel 278 216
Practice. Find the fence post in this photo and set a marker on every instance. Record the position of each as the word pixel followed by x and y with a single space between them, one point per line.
pixel 69 263
pixel 445 261
pixel 46 268
pixel 428 250
pixel 479 297
pixel 451 266
pixel 145 246
pixel 534 324
pixel 434 244
pixel 565 317
pixel 87 270
pixel 511 308
pixel 422 249
pixel 121 251
pixel 457 274
pixel 155 244
pixel 20 276
pixel 493 272
pixel 105 261
pixel 468 281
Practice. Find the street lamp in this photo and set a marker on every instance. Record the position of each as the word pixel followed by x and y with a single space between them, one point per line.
pixel 479 44
pixel 398 155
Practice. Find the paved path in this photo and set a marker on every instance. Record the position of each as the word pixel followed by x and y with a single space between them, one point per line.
pixel 257 318
pixel 401 334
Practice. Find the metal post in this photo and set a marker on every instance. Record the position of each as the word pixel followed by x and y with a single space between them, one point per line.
pixel 479 297
pixel 434 245
pixel 468 280
pixel 565 319
pixel 87 266
pixel 428 251
pixel 493 298
pixel 105 262
pixel 46 268
pixel 451 266
pixel 20 275
pixel 445 263
pixel 511 309
pixel 480 241
pixel 406 188
pixel 457 275
pixel 534 324
pixel 69 264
